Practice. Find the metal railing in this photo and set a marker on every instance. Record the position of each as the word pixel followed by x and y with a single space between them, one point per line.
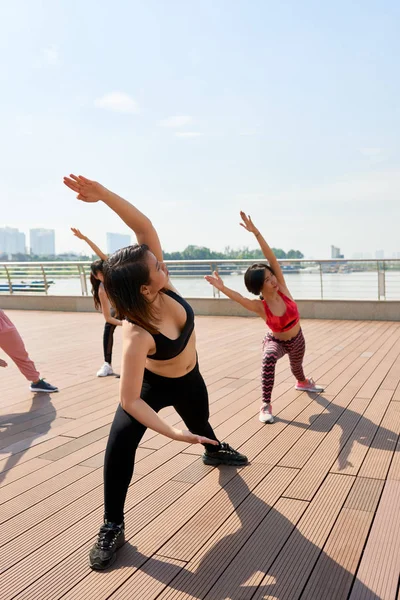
pixel 316 279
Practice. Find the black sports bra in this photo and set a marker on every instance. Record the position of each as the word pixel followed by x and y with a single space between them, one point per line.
pixel 167 348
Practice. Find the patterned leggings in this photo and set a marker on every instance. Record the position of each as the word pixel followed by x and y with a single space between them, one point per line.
pixel 273 350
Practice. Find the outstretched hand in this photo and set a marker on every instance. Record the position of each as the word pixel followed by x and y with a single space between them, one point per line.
pixel 193 438
pixel 86 189
pixel 77 233
pixel 215 280
pixel 248 223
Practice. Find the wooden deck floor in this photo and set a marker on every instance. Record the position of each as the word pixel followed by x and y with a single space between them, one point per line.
pixel 316 514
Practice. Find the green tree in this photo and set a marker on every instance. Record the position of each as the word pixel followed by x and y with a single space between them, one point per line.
pixel 295 254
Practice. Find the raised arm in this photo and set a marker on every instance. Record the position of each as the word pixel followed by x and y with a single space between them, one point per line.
pixel 266 250
pixel 92 191
pixel 89 242
pixel 254 306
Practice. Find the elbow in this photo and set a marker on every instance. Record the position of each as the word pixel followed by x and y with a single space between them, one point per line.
pixel 128 405
pixel 147 226
pixel 125 405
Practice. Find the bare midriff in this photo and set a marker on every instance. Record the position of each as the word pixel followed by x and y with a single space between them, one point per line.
pixel 177 366
pixel 287 335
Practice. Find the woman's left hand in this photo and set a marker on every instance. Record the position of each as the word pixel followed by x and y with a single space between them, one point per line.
pixel 215 280
pixel 77 233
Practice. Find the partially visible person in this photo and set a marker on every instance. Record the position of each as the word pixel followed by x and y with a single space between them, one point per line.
pixel 12 344
pixel 102 303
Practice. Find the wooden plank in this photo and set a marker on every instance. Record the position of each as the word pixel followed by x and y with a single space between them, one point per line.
pixel 380 453
pixel 378 574
pixel 234 565
pixel 53 454
pixel 334 572
pixel 316 468
pixel 354 451
pixel 289 573
pixel 74 526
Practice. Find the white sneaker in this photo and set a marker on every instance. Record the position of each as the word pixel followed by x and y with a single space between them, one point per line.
pixel 265 415
pixel 105 370
pixel 308 386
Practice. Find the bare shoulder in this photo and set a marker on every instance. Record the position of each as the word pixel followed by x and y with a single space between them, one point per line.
pixel 258 308
pixel 136 337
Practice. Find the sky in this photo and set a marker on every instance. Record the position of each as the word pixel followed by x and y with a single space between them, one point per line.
pixel 195 110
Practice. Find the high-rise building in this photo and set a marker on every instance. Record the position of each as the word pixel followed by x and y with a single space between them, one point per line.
pixel 115 241
pixel 335 252
pixel 42 242
pixel 380 254
pixel 12 241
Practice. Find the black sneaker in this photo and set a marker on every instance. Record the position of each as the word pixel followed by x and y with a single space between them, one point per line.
pixel 43 386
pixel 224 456
pixel 110 537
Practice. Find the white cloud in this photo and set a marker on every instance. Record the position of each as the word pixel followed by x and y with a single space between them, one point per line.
pixel 24 125
pixel 48 57
pixel 188 134
pixel 176 122
pixel 373 186
pixel 118 102
pixel 372 152
pixel 247 132
pixel 51 55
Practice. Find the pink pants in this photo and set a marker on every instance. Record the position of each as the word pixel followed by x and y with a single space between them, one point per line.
pixel 12 344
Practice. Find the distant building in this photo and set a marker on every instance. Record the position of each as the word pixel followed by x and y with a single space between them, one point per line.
pixel 115 241
pixel 12 241
pixel 380 254
pixel 335 252
pixel 42 242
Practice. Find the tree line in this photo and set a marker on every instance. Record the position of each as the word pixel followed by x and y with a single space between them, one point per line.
pixel 189 253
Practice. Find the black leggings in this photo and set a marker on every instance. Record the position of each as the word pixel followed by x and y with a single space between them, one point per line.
pixel 187 394
pixel 108 341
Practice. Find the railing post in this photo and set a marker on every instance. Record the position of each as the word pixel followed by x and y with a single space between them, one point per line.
pixel 321 281
pixel 381 281
pixel 44 279
pixel 10 287
pixel 82 277
pixel 216 292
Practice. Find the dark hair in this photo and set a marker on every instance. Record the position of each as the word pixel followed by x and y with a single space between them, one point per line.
pixel 124 274
pixel 255 276
pixel 96 267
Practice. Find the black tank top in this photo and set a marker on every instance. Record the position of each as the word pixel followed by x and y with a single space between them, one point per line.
pixel 167 348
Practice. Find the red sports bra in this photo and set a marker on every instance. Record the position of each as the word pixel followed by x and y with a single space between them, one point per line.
pixel 288 320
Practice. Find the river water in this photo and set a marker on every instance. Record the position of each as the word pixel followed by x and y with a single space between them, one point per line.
pixel 339 286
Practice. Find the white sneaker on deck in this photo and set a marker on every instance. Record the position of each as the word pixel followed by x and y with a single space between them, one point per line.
pixel 105 370
pixel 308 386
pixel 265 415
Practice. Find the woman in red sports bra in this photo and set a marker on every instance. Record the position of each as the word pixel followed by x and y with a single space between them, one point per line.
pixel 278 309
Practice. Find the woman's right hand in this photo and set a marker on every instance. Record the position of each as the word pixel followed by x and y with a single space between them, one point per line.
pixel 215 280
pixel 77 233
pixel 193 438
pixel 86 189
